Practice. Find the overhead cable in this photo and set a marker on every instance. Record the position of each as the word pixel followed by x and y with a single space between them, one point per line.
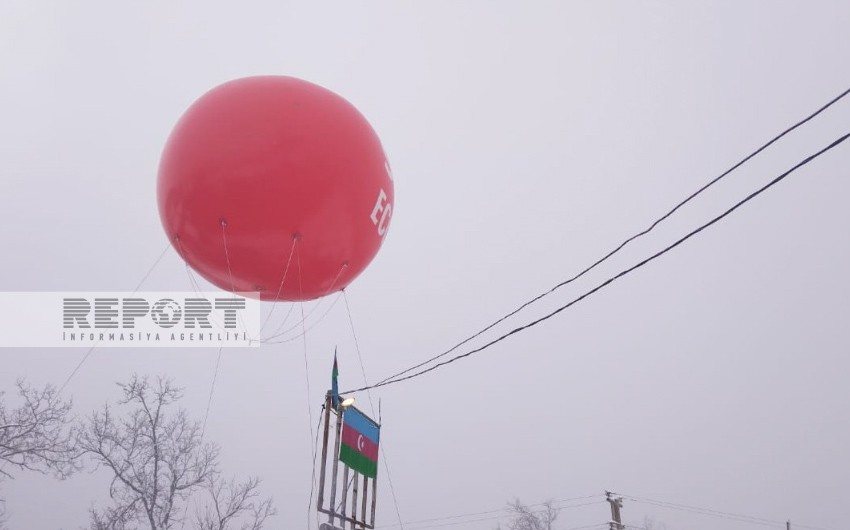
pixel 612 279
pixel 627 241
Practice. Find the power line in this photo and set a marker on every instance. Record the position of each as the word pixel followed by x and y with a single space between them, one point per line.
pixel 700 512
pixel 717 513
pixel 594 525
pixel 627 241
pixel 625 272
pixel 492 518
pixel 503 511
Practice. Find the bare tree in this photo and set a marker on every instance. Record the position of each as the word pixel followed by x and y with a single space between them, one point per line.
pixel 158 460
pixel 524 518
pixel 37 434
pixel 234 503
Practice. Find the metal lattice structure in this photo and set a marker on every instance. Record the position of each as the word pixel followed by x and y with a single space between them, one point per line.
pixel 355 498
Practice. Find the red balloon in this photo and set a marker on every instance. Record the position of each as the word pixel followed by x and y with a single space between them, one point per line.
pixel 267 171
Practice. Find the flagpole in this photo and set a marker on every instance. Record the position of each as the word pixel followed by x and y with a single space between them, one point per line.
pixel 354 501
pixel 321 499
pixel 366 496
pixel 344 505
pixel 332 514
pixel 374 498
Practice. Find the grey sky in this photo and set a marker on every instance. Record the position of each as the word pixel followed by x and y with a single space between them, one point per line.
pixel 525 141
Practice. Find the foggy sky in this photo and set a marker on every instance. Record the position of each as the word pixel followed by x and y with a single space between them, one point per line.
pixel 526 141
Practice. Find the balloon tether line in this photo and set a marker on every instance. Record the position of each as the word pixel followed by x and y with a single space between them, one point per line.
pixel 223 223
pixel 306 374
pixel 311 326
pixel 372 406
pixel 93 346
pixel 278 333
pixel 295 238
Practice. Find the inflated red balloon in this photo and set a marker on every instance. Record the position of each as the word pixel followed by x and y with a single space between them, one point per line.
pixel 262 169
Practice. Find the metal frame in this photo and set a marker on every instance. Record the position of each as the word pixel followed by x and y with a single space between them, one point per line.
pixel 331 511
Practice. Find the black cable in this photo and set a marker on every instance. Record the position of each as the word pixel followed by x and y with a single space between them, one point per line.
pixel 627 241
pixel 774 524
pixel 619 275
pixel 716 513
pixel 503 511
pixel 584 527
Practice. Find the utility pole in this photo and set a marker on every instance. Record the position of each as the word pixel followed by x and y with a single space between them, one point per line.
pixel 616 503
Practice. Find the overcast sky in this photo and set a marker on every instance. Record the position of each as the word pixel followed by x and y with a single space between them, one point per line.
pixel 526 141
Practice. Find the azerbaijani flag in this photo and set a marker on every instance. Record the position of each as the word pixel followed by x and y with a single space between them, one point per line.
pixel 359 448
